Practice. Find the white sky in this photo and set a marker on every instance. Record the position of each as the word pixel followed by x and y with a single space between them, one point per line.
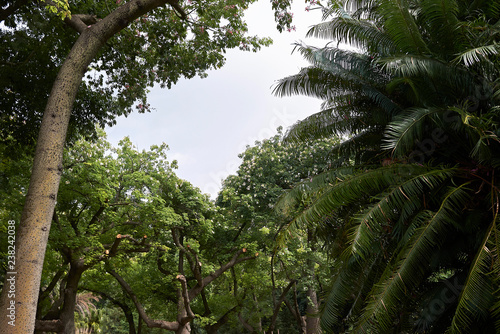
pixel 207 122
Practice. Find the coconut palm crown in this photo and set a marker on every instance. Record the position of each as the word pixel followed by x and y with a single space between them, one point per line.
pixel 413 203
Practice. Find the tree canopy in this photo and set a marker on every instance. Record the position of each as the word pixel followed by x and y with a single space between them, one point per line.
pixel 418 95
pixel 382 208
pixel 119 49
pixel 156 48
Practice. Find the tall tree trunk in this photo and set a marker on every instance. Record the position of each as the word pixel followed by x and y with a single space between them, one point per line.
pixel 33 230
pixel 312 320
pixel 68 311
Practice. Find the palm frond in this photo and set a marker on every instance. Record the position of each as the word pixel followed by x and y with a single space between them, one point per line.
pixel 402 133
pixel 311 81
pixel 347 293
pixel 476 55
pixel 368 224
pixel 362 147
pixel 411 263
pixel 400 25
pixel 306 191
pixel 477 295
pixel 445 79
pixel 441 16
pixel 314 128
pixel 334 59
pixel 348 188
pixel 358 33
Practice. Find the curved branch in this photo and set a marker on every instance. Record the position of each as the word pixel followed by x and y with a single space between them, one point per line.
pixel 45 292
pixel 125 308
pixel 151 323
pixel 207 280
pixel 278 306
pixel 187 301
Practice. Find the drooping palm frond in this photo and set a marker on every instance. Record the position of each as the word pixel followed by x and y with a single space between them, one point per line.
pixel 346 294
pixel 441 22
pixel 336 9
pixel 335 59
pixel 477 296
pixel 492 9
pixel 342 189
pixel 322 125
pixel 406 128
pixel 435 80
pixel 312 81
pixel 400 279
pixel 476 55
pixel 332 84
pixel 360 148
pixel 360 34
pixel 369 223
pixel 308 190
pixel 401 26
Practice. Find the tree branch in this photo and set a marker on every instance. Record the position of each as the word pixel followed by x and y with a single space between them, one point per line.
pixel 207 280
pixel 95 217
pixel 151 323
pixel 222 320
pixel 5 13
pixel 187 301
pixel 178 243
pixel 45 292
pixel 245 324
pixel 278 306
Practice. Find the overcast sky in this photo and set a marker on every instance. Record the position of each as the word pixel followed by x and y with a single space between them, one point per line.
pixel 207 122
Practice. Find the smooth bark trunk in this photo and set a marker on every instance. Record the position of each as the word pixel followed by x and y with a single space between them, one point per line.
pixel 33 230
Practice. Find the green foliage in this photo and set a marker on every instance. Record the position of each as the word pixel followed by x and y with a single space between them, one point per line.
pixel 267 170
pixel 159 48
pixel 423 201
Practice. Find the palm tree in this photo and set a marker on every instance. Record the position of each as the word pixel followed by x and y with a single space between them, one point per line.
pixel 417 235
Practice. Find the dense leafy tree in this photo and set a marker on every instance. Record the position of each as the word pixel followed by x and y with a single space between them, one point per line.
pixel 123 48
pixel 291 277
pixel 419 252
pixel 159 47
pixel 124 212
pixel 107 206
